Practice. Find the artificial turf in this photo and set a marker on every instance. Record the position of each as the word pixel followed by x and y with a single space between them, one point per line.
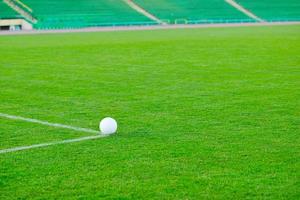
pixel 203 114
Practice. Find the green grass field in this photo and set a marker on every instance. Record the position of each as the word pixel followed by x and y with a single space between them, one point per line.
pixel 203 114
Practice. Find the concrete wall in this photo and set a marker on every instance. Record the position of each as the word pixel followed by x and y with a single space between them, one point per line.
pixel 15 22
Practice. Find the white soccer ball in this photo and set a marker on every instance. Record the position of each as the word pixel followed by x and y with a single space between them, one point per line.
pixel 108 126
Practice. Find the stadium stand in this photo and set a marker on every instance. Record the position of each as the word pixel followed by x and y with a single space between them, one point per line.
pixel 6 12
pixel 61 14
pixel 193 11
pixel 274 10
pixel 84 13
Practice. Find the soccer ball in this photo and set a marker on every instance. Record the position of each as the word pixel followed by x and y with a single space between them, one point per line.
pixel 108 126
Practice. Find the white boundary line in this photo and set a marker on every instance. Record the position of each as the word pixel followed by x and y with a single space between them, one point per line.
pixel 3 151
pixel 243 10
pixel 36 121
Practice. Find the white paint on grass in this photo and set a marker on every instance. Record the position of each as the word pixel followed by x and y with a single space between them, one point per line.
pixel 244 10
pixel 3 151
pixel 36 121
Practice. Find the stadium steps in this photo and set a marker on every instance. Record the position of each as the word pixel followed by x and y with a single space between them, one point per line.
pixel 239 7
pixel 200 11
pixel 60 14
pixel 274 10
pixel 7 13
pixel 84 13
pixel 141 10
pixel 21 9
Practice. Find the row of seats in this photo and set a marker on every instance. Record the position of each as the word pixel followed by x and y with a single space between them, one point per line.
pixel 83 13
pixel 180 11
pixel 6 12
pixel 274 10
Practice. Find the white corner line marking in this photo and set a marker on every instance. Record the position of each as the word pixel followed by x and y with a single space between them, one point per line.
pixel 13 117
pixel 3 151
